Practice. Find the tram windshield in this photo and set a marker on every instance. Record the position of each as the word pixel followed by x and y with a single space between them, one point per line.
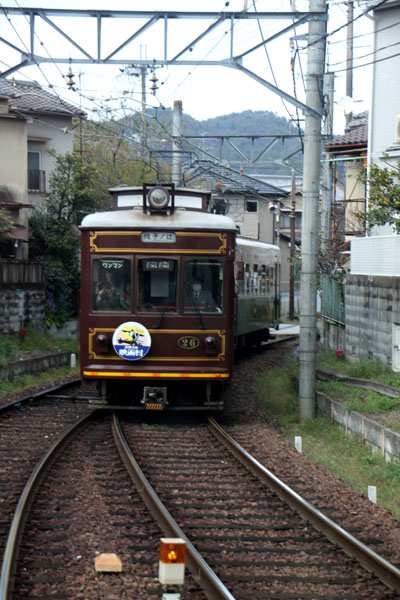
pixel 111 284
pixel 203 285
pixel 157 284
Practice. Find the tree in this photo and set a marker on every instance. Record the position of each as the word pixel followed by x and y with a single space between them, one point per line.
pixel 6 224
pixel 111 147
pixel 56 236
pixel 383 189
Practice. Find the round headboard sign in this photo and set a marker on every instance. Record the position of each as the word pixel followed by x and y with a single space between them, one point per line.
pixel 131 340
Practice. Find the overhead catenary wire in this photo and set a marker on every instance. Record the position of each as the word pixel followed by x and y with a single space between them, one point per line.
pixel 50 85
pixel 221 12
pixel 116 111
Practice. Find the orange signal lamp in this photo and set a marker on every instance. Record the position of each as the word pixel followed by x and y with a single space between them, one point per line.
pixel 171 567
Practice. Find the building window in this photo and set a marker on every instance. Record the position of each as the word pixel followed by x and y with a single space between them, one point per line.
pixel 33 161
pixel 251 206
pixel 36 177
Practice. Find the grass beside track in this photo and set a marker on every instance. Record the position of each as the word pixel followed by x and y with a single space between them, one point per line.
pixel 13 347
pixel 32 343
pixel 31 382
pixel 322 442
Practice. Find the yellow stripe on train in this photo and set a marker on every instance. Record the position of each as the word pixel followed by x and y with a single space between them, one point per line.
pixel 156 375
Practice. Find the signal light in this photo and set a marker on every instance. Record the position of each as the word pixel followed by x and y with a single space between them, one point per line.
pixel 171 568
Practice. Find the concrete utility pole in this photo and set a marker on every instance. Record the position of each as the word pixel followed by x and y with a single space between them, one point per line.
pixel 349 55
pixel 176 175
pixel 143 122
pixel 310 225
pixel 292 245
pixel 326 193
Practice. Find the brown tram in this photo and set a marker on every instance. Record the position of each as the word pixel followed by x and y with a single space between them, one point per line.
pixel 168 290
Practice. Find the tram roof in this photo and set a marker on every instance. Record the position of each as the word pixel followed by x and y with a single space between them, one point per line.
pixel 256 252
pixel 255 243
pixel 136 218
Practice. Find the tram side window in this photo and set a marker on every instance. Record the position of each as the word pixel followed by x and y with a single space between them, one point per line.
pixel 256 280
pixel 157 284
pixel 272 278
pixel 263 281
pixel 203 286
pixel 247 275
pixel 111 284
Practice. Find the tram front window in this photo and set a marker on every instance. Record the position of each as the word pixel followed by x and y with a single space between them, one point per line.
pixel 203 286
pixel 157 284
pixel 111 284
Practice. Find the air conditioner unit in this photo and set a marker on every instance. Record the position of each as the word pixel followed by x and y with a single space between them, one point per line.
pixel 397 133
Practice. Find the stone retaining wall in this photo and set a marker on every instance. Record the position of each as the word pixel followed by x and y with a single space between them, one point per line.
pixel 372 306
pixel 381 439
pixel 19 308
pixel 34 365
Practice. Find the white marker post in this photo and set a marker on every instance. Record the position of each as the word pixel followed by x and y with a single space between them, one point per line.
pixel 73 361
pixel 372 493
pixel 298 443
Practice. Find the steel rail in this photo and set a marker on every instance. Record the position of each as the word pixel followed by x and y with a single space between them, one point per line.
pixel 212 586
pixel 25 502
pixel 34 396
pixel 384 570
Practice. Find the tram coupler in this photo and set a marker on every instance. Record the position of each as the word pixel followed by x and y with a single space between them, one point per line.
pixel 171 593
pixel 154 398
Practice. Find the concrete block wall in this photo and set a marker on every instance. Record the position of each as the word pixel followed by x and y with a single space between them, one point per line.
pixel 380 439
pixel 372 305
pixel 19 308
pixel 34 365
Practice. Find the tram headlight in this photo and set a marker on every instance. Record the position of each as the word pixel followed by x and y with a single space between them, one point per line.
pixel 158 198
pixel 210 345
pixel 102 343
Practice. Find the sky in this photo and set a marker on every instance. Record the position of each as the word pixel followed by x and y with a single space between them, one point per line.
pixel 205 91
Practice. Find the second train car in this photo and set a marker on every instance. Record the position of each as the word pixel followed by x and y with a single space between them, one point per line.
pixel 168 291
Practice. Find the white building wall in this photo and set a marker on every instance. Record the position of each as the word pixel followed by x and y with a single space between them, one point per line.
pixel 47 132
pixel 385 105
pixel 386 81
pixel 13 158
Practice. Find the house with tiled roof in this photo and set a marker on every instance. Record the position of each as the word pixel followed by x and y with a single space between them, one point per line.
pixel 347 157
pixel 32 121
pixel 248 200
pixel 257 206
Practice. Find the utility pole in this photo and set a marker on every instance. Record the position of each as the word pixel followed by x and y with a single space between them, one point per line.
pixel 176 174
pixel 349 55
pixel 310 225
pixel 292 246
pixel 143 129
pixel 326 192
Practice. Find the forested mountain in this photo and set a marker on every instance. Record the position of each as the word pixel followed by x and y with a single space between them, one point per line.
pixel 245 123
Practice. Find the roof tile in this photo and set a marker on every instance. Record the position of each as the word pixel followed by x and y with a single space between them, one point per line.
pixel 30 97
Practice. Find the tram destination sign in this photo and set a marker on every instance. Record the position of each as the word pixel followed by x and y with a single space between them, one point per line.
pixel 158 237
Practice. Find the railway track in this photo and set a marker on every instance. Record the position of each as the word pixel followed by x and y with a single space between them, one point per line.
pixel 244 539
pixel 78 502
pixel 28 427
pixel 257 537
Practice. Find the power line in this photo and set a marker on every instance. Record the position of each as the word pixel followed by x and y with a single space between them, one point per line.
pixel 369 53
pixel 372 62
pixel 362 14
pixel 40 41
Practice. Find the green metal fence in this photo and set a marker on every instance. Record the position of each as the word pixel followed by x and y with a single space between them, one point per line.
pixel 332 305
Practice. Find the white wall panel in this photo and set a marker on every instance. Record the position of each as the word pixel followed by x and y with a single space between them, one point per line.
pixel 378 255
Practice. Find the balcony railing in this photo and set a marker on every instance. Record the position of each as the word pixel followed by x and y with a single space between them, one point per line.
pixel 36 181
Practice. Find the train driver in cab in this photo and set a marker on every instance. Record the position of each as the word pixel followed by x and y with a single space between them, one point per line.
pixel 198 297
pixel 108 295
